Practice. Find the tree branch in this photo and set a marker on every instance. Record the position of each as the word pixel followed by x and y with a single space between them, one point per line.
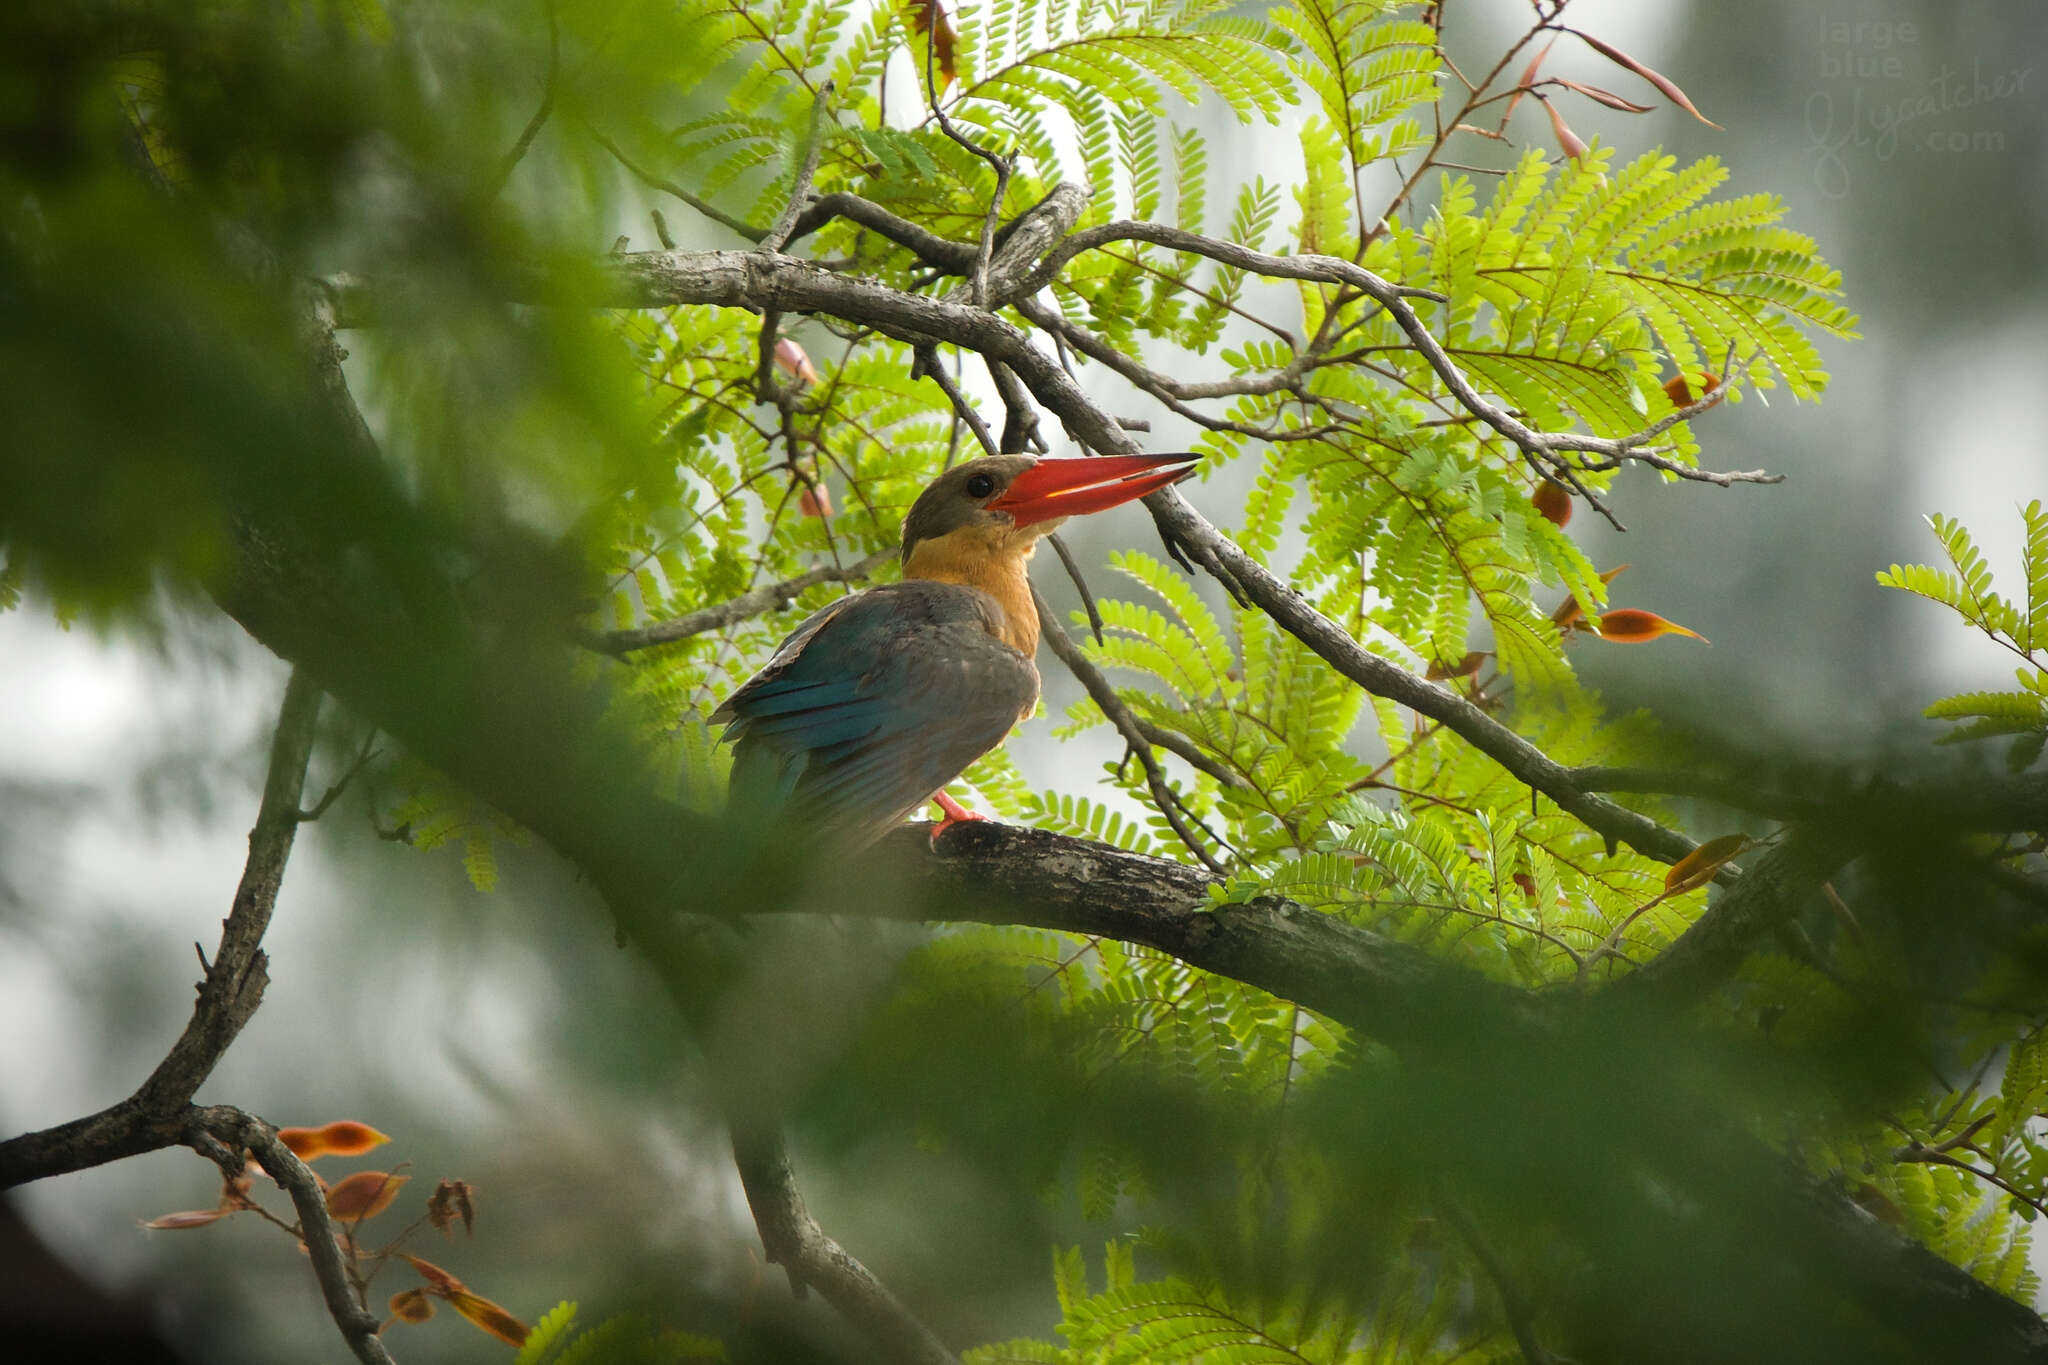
pixel 768 597
pixel 154 1116
pixel 207 1129
pixel 517 153
pixel 793 1240
pixel 778 232
pixel 1164 798
pixel 704 206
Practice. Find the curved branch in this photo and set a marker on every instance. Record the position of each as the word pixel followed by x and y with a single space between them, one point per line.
pixel 1395 299
pixel 154 1116
pixel 768 597
pixel 206 1132
pixel 1164 798
pixel 793 1240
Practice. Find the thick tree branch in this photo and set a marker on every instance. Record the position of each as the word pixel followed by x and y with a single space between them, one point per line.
pixel 154 1116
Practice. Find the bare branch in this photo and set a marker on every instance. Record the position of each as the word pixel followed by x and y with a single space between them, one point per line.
pixel 1020 414
pixel 793 1240
pixel 1027 237
pixel 697 202
pixel 927 246
pixel 928 366
pixel 778 233
pixel 1119 715
pixel 154 1116
pixel 1514 1305
pixel 1080 582
pixel 767 597
pixel 512 158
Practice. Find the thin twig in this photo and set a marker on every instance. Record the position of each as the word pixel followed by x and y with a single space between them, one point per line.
pixel 1119 715
pixel 512 158
pixel 1190 753
pixel 768 597
pixel 928 366
pixel 1080 582
pixel 697 202
pixel 997 160
pixel 1020 419
pixel 778 233
pixel 340 784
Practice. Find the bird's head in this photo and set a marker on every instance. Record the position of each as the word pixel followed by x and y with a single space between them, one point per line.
pixel 1001 504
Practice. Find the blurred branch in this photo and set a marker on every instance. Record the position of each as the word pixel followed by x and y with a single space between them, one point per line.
pixel 1514 1305
pixel 340 784
pixel 697 202
pixel 222 1135
pixel 793 1240
pixel 1736 794
pixel 777 235
pixel 768 597
pixel 512 158
pixel 155 1115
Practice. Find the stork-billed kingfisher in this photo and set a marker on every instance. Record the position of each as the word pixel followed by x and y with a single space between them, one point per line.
pixel 877 701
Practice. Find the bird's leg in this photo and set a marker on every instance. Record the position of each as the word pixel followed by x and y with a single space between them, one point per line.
pixel 956 814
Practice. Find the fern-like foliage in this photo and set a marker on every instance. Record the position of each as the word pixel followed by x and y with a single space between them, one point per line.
pixel 1966 588
pixel 1193 1318
pixel 557 1339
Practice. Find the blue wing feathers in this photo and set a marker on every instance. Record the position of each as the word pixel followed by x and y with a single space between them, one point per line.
pixel 874 703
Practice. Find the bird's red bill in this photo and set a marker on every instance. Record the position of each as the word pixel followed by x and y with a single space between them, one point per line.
pixel 1072 488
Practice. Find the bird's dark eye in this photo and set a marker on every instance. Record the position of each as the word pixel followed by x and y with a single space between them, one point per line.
pixel 981 485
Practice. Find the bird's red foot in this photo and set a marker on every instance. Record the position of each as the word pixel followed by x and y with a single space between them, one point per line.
pixel 956 814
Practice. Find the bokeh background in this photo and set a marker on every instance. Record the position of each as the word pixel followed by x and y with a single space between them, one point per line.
pixel 503 1040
